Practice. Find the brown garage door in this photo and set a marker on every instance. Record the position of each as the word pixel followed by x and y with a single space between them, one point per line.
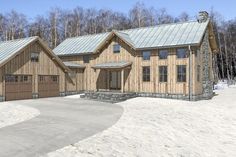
pixel 48 86
pixel 18 87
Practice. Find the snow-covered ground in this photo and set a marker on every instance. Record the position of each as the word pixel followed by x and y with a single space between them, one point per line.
pixel 12 113
pixel 151 127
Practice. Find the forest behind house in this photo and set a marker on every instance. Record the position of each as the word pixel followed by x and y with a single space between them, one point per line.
pixel 59 24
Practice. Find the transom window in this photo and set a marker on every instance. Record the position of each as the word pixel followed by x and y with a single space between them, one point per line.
pixel 181 73
pixel 116 48
pixel 146 74
pixel 86 58
pixel 34 57
pixel 146 55
pixel 181 53
pixel 163 54
pixel 163 73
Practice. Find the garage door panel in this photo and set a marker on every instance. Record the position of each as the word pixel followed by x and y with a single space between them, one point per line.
pixel 48 86
pixel 18 87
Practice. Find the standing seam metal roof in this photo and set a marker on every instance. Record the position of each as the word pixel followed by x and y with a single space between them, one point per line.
pixel 165 35
pixel 9 48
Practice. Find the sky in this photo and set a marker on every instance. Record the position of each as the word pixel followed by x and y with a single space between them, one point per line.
pixel 32 8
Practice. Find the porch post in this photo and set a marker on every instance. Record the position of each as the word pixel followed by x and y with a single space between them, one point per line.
pixel 122 81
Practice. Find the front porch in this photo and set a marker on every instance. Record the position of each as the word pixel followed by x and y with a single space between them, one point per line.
pixel 111 77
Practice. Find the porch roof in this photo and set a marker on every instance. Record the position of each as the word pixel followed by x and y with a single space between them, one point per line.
pixel 73 65
pixel 112 65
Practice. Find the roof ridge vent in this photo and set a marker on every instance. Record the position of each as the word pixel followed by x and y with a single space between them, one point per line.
pixel 203 16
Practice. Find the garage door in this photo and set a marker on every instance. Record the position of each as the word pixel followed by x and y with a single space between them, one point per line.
pixel 48 86
pixel 18 87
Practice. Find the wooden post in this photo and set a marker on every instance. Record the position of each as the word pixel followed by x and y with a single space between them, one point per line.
pixel 122 81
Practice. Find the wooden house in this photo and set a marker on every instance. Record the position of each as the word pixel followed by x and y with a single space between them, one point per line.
pixel 170 60
pixel 29 69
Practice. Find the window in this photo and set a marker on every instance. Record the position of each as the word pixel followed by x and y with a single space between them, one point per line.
pixel 146 74
pixel 198 72
pixel 146 55
pixel 163 73
pixel 181 73
pixel 116 48
pixel 163 54
pixel 54 78
pixel 41 79
pixel 86 58
pixel 181 53
pixel 34 57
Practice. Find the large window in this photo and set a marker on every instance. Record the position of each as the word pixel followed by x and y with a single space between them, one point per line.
pixel 86 58
pixel 146 55
pixel 146 74
pixel 181 73
pixel 181 53
pixel 163 54
pixel 34 57
pixel 116 48
pixel 163 73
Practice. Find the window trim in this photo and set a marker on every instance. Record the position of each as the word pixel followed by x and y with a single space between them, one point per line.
pixel 146 75
pixel 149 57
pixel 162 75
pixel 34 57
pixel 185 74
pixel 114 48
pixel 166 55
pixel 182 49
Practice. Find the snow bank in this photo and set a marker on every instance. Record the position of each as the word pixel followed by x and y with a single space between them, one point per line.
pixel 11 113
pixel 152 127
pixel 76 96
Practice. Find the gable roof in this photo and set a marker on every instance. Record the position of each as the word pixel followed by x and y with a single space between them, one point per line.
pixel 9 49
pixel 160 36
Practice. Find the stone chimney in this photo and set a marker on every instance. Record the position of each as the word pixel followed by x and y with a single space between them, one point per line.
pixel 203 16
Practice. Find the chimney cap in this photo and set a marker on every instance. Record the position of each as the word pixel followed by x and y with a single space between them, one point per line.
pixel 203 16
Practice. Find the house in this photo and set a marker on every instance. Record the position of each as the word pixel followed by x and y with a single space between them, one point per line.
pixel 169 60
pixel 29 69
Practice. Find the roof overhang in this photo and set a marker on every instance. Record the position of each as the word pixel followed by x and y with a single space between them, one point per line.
pixel 113 65
pixel 74 65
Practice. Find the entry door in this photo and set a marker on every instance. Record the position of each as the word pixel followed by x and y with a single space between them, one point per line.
pixel 115 80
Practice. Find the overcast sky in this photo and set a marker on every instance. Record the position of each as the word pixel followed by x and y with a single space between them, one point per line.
pixel 32 8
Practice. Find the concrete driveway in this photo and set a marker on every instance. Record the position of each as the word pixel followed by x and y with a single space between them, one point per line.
pixel 62 122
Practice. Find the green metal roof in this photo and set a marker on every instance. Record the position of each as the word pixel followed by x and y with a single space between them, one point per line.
pixel 9 48
pixel 167 35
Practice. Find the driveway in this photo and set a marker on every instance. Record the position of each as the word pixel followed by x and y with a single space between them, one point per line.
pixel 62 122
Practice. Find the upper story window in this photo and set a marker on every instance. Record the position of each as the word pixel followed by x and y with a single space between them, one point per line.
pixel 86 58
pixel 34 56
pixel 181 73
pixel 163 54
pixel 181 53
pixel 146 74
pixel 163 73
pixel 116 48
pixel 146 55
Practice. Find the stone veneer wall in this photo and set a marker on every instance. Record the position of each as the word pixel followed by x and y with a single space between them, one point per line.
pixel 207 82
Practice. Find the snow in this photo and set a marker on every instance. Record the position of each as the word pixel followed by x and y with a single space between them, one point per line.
pixel 76 96
pixel 12 113
pixel 153 127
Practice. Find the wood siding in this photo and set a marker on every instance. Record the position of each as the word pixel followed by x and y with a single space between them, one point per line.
pixel 21 64
pixel 93 79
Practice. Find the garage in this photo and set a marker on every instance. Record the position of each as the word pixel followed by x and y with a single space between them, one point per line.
pixel 48 86
pixel 18 87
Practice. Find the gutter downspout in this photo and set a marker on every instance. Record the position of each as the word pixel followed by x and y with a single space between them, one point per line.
pixel 190 73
